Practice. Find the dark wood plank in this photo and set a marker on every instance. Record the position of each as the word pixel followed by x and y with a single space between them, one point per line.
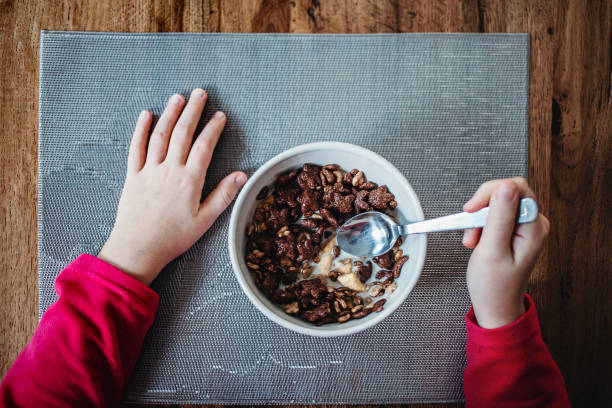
pixel 18 176
pixel 576 319
pixel 570 127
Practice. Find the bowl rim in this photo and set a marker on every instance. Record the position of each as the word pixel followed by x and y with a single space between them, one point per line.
pixel 233 251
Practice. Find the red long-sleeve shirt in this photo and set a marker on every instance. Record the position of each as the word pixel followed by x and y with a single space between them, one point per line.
pixel 86 345
pixel 511 366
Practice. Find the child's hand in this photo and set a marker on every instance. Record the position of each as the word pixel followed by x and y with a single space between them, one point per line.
pixel 160 215
pixel 504 255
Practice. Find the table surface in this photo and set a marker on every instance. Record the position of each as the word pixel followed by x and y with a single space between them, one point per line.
pixel 569 150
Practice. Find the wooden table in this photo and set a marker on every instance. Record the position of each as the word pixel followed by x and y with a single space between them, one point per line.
pixel 569 149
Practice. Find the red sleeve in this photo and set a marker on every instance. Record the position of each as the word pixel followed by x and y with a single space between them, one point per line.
pixel 86 344
pixel 510 366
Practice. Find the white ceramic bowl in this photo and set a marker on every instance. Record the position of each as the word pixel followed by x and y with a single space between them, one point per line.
pixel 347 156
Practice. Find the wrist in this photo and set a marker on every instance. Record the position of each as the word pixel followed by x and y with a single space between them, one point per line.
pixel 129 261
pixel 493 316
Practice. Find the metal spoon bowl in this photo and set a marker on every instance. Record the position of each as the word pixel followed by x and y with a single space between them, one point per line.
pixel 373 233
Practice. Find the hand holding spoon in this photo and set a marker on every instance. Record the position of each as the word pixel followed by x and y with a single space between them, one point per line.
pixel 373 233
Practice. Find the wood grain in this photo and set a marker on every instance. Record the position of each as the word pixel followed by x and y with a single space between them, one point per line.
pixel 577 318
pixel 569 150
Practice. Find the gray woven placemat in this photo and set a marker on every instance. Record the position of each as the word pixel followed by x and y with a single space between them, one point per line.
pixel 450 111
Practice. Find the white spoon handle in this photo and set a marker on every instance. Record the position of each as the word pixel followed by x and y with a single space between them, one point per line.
pixel 528 212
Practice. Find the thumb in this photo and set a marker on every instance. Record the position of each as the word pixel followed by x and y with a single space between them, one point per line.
pixel 222 196
pixel 501 221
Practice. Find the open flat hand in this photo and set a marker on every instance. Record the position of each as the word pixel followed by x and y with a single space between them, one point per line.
pixel 160 215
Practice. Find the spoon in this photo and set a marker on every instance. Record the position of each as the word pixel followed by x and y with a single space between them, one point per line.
pixel 373 233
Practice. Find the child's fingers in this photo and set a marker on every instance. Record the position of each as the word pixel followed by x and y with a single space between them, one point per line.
pixel 501 221
pixel 138 146
pixel 204 146
pixel 530 238
pixel 471 237
pixel 222 196
pixel 158 144
pixel 182 136
pixel 481 197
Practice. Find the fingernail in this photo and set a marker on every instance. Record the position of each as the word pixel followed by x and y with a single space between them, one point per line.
pixel 143 114
pixel 240 179
pixel 177 99
pixel 505 192
pixel 199 93
pixel 219 115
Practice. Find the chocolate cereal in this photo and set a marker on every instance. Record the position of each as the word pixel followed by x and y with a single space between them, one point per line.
pixel 292 233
